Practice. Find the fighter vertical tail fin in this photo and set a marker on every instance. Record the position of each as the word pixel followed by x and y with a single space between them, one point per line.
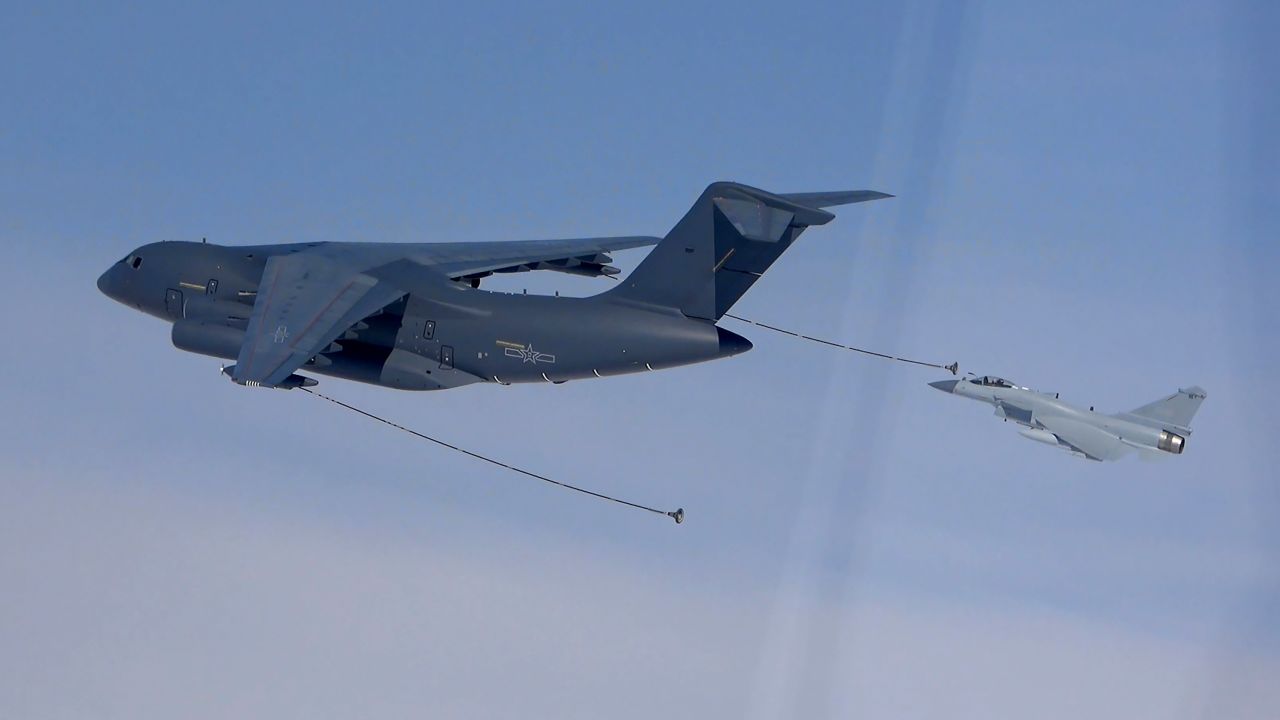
pixel 1176 410
pixel 726 241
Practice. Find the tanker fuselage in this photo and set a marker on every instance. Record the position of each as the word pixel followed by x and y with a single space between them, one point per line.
pixel 440 334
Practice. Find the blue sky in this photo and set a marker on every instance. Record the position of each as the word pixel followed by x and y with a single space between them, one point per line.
pixel 1085 204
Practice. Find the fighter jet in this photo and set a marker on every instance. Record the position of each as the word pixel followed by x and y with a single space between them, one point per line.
pixel 413 316
pixel 1162 426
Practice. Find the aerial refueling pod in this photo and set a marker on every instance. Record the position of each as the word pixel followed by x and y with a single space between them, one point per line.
pixel 293 381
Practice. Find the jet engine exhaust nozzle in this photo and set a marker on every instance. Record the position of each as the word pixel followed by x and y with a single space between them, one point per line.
pixel 1170 442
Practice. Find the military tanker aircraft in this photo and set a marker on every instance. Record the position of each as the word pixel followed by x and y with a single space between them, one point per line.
pixel 413 316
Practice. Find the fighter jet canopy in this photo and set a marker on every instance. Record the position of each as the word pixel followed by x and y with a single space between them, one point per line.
pixel 992 381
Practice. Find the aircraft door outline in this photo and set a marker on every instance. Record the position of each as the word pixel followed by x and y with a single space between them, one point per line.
pixel 173 302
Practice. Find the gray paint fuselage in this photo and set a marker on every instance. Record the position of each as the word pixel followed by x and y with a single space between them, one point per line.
pixel 1045 416
pixel 442 334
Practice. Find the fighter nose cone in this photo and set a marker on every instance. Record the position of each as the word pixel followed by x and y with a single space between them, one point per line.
pixel 732 343
pixel 945 386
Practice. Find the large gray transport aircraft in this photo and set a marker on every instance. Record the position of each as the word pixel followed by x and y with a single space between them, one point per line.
pixel 1162 426
pixel 413 316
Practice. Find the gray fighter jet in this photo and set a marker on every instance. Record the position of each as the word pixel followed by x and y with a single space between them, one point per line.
pixel 412 316
pixel 1163 425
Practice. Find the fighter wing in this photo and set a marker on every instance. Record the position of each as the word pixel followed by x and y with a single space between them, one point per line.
pixel 304 302
pixel 585 256
pixel 1093 441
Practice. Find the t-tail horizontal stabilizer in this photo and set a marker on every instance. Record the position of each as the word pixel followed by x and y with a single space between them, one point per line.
pixel 831 198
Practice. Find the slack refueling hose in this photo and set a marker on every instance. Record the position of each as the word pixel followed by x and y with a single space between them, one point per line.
pixel 677 514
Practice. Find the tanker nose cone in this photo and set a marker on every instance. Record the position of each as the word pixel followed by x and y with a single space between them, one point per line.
pixel 732 343
pixel 109 282
pixel 946 386
pixel 117 284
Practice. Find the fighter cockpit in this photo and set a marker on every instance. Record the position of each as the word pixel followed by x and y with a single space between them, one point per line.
pixel 992 381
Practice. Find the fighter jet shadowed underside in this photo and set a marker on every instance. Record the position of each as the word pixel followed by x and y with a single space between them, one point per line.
pixel 412 316
pixel 1163 425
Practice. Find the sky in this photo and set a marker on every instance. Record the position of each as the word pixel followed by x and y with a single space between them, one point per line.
pixel 1085 203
